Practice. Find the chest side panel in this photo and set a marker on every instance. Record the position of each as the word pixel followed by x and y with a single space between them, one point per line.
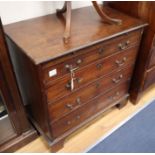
pixel 30 86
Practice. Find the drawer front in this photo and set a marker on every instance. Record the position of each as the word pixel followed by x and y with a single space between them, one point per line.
pixel 89 55
pixel 80 97
pixel 85 112
pixel 150 78
pixel 88 74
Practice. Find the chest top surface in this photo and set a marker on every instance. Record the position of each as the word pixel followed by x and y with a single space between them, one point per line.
pixel 41 38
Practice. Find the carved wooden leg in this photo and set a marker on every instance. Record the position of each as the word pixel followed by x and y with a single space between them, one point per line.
pixel 122 104
pixel 66 8
pixel 104 16
pixel 57 146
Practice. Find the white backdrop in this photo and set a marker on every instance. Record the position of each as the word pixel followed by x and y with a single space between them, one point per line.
pixel 14 11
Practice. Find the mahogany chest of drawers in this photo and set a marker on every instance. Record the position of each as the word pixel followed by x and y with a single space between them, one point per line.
pixel 64 86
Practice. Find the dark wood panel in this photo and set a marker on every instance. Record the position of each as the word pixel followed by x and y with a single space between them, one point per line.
pixel 28 80
pixel 95 49
pixel 72 120
pixel 91 54
pixel 100 68
pixel 37 47
pixel 77 99
pixel 127 7
pixel 40 43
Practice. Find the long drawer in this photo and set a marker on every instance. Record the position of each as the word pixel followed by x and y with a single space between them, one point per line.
pixel 59 67
pixel 80 97
pixel 82 114
pixel 88 74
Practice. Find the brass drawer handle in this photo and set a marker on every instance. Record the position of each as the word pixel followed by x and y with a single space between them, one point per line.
pixel 101 50
pixel 69 106
pixel 115 97
pixel 117 80
pixel 99 66
pixel 76 118
pixel 78 80
pixel 127 42
pixel 70 67
pixel 67 66
pixel 121 62
pixel 123 46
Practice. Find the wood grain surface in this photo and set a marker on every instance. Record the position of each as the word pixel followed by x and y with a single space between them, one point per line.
pixel 46 33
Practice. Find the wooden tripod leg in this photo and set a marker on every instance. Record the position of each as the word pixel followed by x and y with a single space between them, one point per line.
pixel 63 10
pixel 103 15
pixel 66 8
pixel 68 23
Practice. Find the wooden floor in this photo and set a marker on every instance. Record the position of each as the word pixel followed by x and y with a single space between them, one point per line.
pixel 81 140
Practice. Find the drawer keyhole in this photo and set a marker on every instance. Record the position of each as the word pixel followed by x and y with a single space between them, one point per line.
pixel 101 51
pixel 99 66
